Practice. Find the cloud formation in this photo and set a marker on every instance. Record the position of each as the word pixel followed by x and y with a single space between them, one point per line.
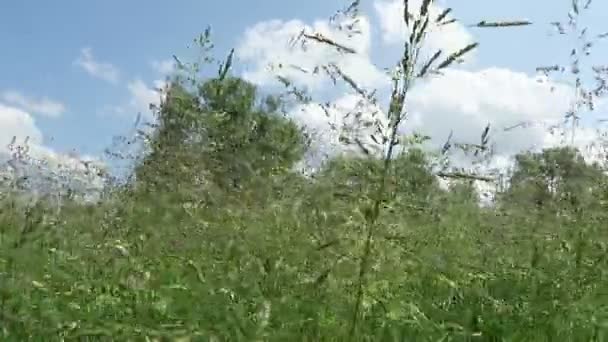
pixel 448 38
pixel 43 106
pixel 143 96
pixel 466 101
pixel 18 123
pixel 46 169
pixel 268 42
pixel 461 100
pixel 347 116
pixel 95 68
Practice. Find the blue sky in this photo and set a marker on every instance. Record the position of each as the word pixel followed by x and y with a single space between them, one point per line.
pixel 43 40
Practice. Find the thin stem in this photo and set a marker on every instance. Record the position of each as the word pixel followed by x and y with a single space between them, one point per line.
pixel 398 98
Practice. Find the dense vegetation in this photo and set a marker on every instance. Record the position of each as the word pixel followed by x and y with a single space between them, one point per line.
pixel 218 236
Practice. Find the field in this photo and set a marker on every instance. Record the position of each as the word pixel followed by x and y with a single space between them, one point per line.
pixel 217 235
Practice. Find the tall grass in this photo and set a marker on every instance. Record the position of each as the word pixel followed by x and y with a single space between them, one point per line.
pixel 370 248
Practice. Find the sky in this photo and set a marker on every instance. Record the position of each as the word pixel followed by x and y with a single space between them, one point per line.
pixel 74 73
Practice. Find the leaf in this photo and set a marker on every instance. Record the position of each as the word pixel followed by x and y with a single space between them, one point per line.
pixel 447 144
pixel 406 13
pixel 349 81
pixel 453 20
pixel 226 66
pixel 322 277
pixel 362 147
pixel 179 63
pixel 443 14
pixel 414 32
pixel 422 30
pixel 484 23
pixel 484 135
pixel 452 284
pixel 318 37
pixel 457 55
pixel 428 64
pixel 424 8
pixel 328 244
pixel 461 175
pixel 38 285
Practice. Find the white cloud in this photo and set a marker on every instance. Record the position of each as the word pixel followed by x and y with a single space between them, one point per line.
pixel 462 100
pixel 142 96
pixel 52 173
pixel 163 67
pixel 40 161
pixel 44 105
pixel 466 101
pixel 101 70
pixel 17 123
pixel 346 116
pixel 269 42
pixel 449 38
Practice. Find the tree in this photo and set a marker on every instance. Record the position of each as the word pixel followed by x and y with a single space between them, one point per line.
pixel 251 137
pixel 556 177
pixel 222 132
pixel 410 184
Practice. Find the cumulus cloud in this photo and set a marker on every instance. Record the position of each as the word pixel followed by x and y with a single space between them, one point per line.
pixel 268 42
pixel 462 100
pixel 44 105
pixel 143 96
pixel 271 42
pixel 15 122
pixel 524 115
pixel 43 171
pixel 347 116
pixel 45 168
pixel 95 68
pixel 449 38
pixel 466 101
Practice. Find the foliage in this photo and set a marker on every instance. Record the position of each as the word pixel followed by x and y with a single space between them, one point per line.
pixel 219 237
pixel 220 133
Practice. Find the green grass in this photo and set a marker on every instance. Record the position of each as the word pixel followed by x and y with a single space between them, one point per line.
pixel 146 267
pixel 366 250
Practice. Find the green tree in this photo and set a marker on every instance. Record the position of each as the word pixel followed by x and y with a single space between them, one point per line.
pixel 557 178
pixel 220 132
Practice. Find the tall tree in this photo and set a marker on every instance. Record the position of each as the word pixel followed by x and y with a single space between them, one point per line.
pixel 221 131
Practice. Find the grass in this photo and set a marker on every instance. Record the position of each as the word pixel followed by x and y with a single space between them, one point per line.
pixel 369 249
pixel 286 269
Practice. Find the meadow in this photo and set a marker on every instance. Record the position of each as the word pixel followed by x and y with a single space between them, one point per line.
pixel 217 235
